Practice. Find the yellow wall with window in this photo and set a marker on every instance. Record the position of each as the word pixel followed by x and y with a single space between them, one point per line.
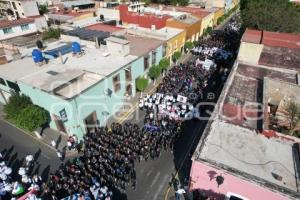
pixel 217 14
pixel 175 44
pixel 207 21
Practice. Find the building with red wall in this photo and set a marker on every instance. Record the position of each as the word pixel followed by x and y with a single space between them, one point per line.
pixel 145 20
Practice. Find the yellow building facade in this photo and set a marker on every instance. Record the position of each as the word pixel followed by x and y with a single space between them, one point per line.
pixel 219 12
pixel 175 44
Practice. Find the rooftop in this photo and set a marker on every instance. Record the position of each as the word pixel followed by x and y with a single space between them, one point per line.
pixel 139 46
pixel 285 58
pixel 252 36
pixel 12 23
pixel 200 12
pixel 252 155
pixel 103 27
pixel 273 39
pixel 165 33
pixel 246 92
pixel 75 3
pixel 186 19
pixel 88 69
pixel 87 34
pixel 65 15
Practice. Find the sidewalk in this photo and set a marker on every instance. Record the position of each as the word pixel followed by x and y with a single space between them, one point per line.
pixel 132 102
pixel 47 134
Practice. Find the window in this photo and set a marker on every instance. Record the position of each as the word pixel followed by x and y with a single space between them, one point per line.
pixel 116 83
pixel 146 62
pixel 14 5
pixel 128 74
pixel 164 50
pixel 153 57
pixel 2 81
pixel 25 27
pixel 7 30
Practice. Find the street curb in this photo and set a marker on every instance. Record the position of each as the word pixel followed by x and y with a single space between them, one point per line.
pixel 35 138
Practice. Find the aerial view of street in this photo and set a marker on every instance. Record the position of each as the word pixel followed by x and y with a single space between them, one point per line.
pixel 149 100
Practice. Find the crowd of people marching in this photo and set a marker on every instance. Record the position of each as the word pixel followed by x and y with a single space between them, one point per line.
pixel 111 153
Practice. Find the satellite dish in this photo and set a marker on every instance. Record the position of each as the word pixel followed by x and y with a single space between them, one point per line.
pixel 39 44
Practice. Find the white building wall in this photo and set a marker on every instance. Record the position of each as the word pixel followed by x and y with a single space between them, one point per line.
pixel 30 8
pixel 17 31
pixel 112 14
pixel 41 23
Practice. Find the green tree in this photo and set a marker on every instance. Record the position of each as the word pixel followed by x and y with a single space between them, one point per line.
pixel 189 45
pixel 43 8
pixel 164 64
pixel 51 33
pixel 154 72
pixel 176 55
pixel 31 117
pixel 183 2
pixel 141 84
pixel 275 15
pixel 15 104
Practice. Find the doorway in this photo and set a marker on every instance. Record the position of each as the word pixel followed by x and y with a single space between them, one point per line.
pixel 59 124
pixel 91 122
pixel 129 90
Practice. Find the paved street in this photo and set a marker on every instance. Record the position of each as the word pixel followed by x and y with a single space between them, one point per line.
pixel 19 145
pixel 153 176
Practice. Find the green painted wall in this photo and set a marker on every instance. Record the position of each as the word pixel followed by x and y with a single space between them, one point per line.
pixel 92 99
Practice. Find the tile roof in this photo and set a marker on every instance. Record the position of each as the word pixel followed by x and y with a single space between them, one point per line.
pixel 11 23
pixel 252 36
pixel 287 40
pixel 274 39
pixel 103 27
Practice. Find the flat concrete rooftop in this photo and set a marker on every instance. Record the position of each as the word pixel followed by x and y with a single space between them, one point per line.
pixel 244 150
pixel 88 69
pixel 164 34
pixel 285 58
pixel 140 46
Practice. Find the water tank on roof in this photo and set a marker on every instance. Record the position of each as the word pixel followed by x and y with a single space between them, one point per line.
pixel 37 56
pixel 76 47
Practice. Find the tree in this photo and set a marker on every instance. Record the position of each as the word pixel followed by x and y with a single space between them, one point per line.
pixel 15 104
pixel 43 8
pixel 141 84
pixel 276 15
pixel 154 72
pixel 51 33
pixel 189 45
pixel 176 55
pixel 183 2
pixel 293 116
pixel 31 117
pixel 164 64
